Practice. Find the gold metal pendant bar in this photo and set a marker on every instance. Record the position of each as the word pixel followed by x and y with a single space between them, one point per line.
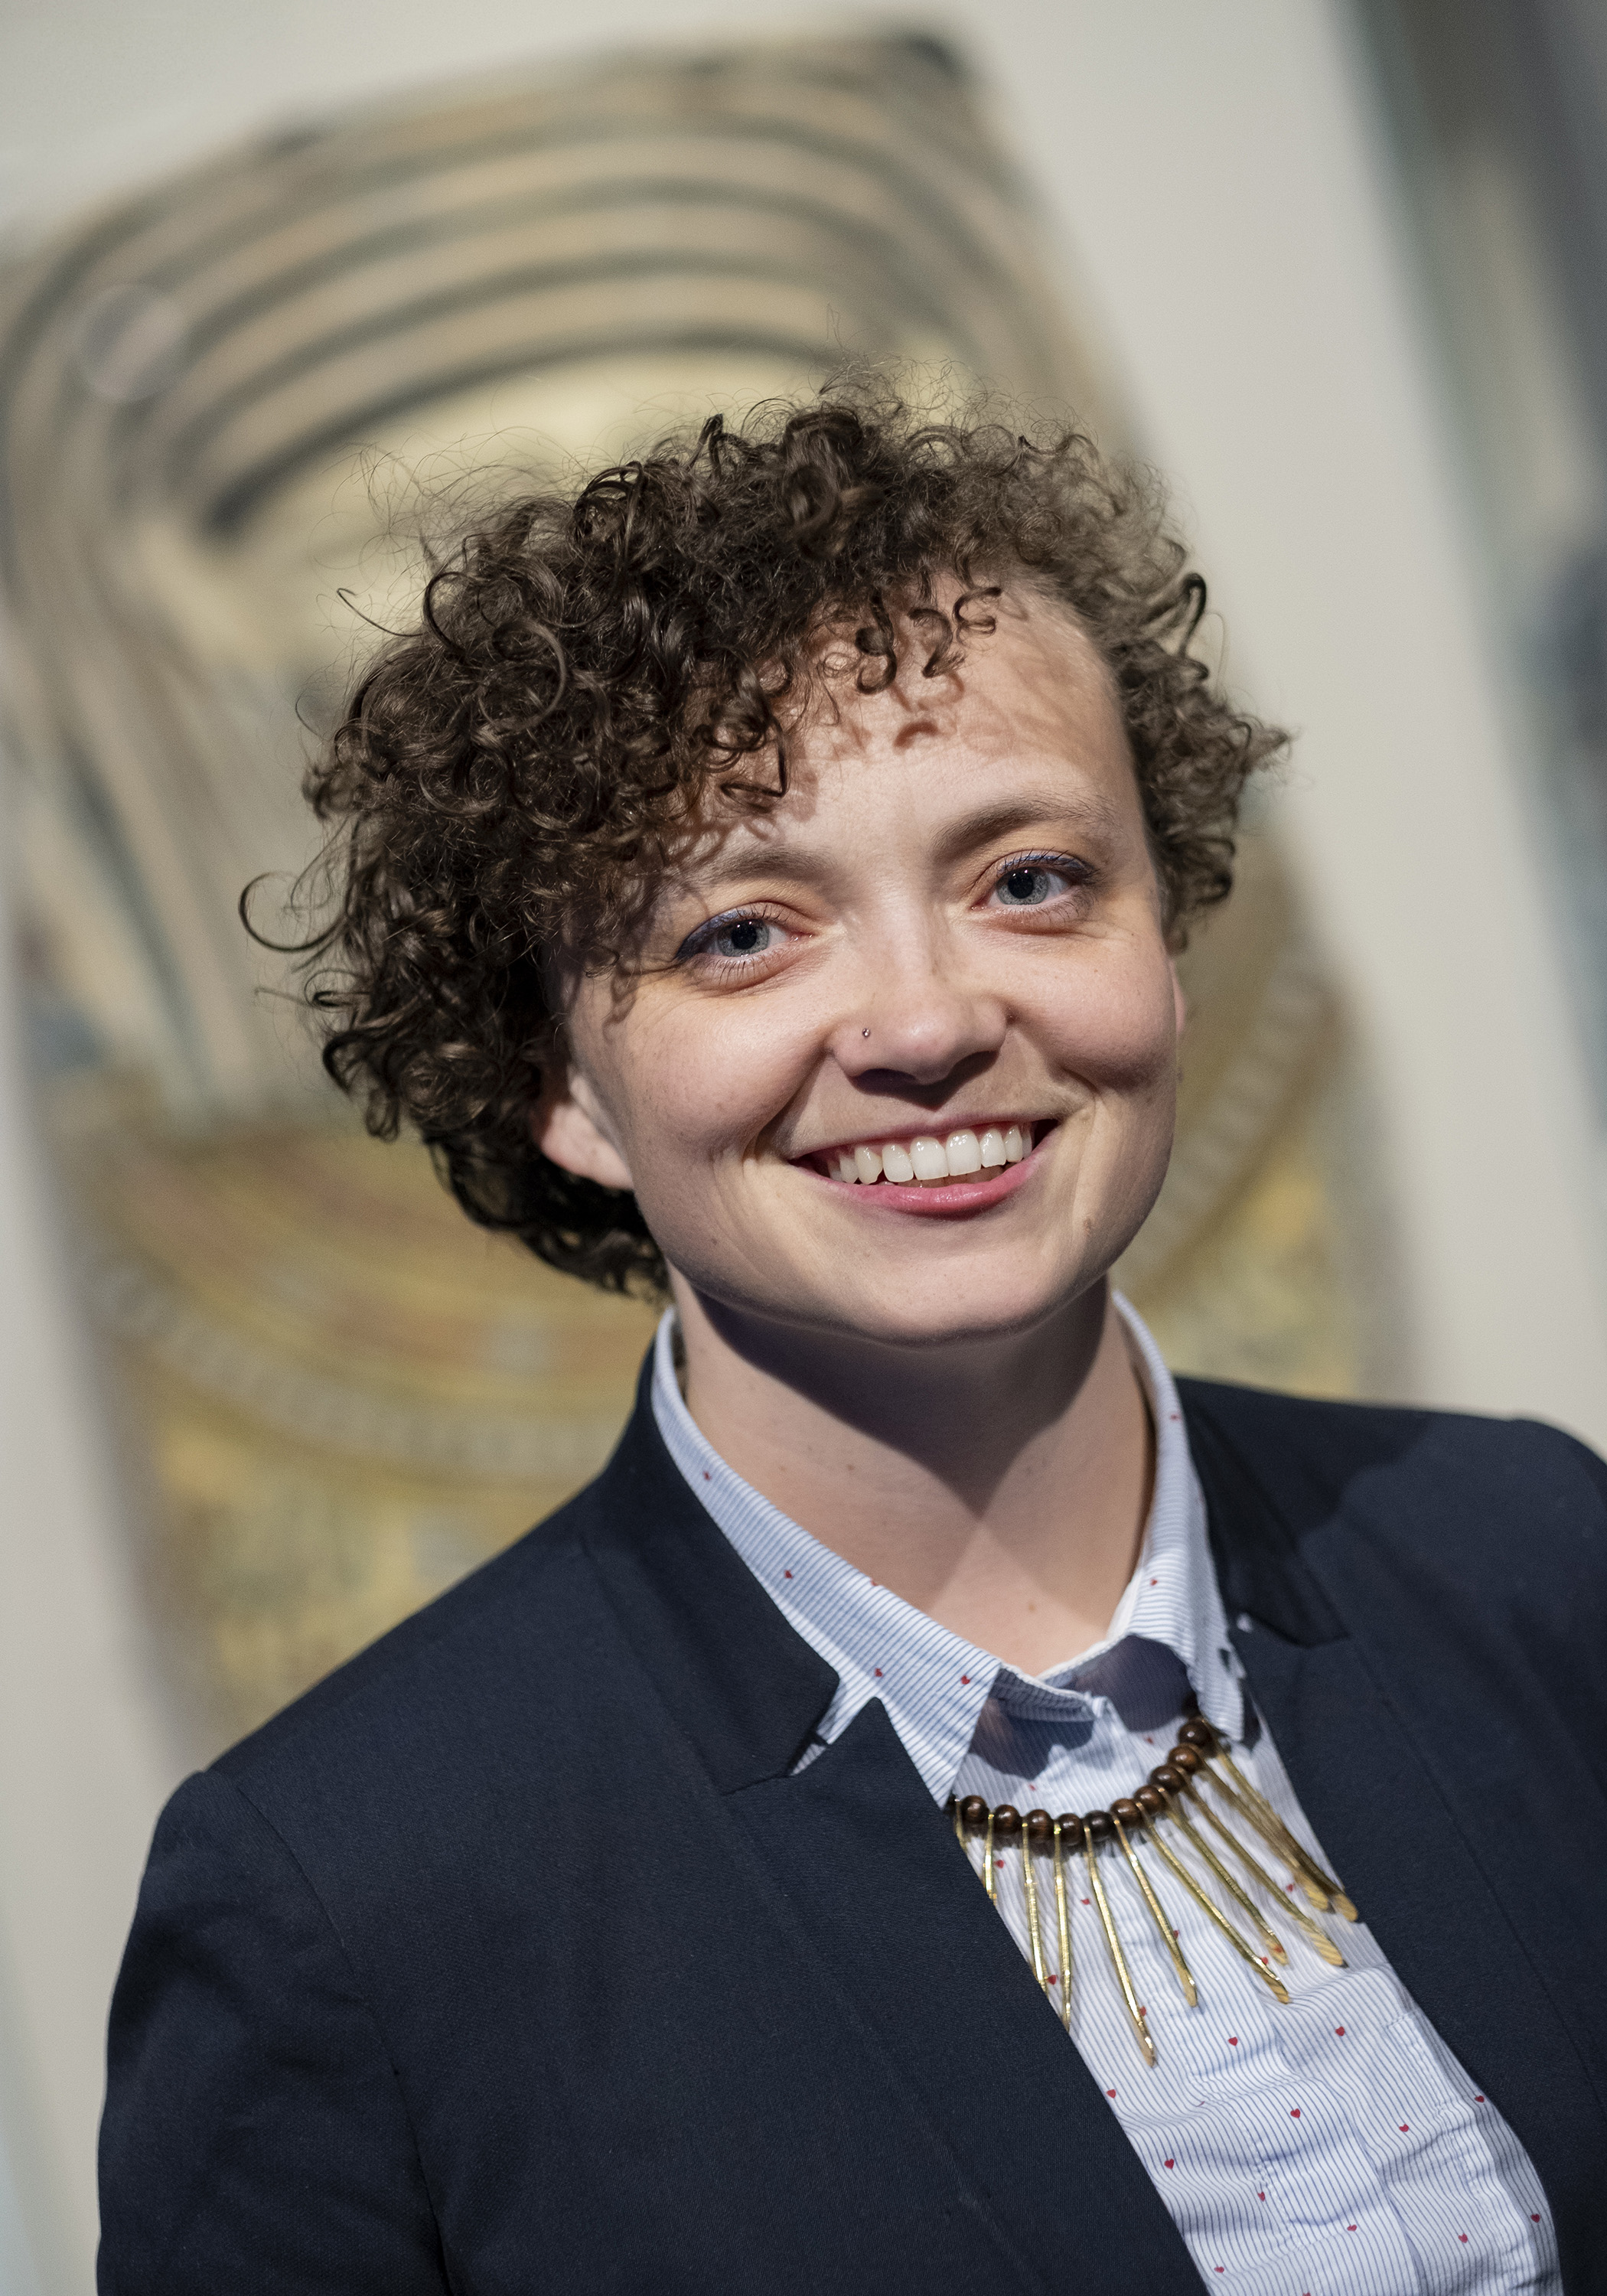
pixel 1186 1975
pixel 1035 1934
pixel 1268 1977
pixel 1309 1871
pixel 1063 1923
pixel 1262 1819
pixel 1315 1936
pixel 993 1895
pixel 1242 1898
pixel 1124 1978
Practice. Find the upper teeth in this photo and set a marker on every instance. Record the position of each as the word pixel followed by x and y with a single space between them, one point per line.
pixel 927 1158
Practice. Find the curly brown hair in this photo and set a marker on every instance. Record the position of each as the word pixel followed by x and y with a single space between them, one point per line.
pixel 593 670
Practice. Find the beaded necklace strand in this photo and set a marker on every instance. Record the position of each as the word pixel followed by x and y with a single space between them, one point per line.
pixel 1171 1794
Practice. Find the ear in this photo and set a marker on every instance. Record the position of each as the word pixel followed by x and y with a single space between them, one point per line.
pixel 568 1125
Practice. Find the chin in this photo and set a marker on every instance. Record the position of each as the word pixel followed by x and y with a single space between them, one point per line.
pixel 955 1314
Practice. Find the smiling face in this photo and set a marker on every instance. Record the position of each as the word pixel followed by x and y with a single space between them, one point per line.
pixel 942 955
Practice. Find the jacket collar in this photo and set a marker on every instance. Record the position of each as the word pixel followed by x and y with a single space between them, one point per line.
pixel 748 1691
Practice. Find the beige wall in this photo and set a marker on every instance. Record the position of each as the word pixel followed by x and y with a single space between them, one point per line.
pixel 1212 176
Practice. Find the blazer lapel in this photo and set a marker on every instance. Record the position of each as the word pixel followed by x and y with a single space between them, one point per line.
pixel 886 1899
pixel 917 1965
pixel 1390 1737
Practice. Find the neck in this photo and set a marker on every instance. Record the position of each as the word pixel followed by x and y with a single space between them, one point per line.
pixel 1001 1488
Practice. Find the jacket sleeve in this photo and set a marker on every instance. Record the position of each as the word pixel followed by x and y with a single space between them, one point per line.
pixel 255 2140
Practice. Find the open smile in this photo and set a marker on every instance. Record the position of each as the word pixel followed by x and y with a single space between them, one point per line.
pixel 963 1170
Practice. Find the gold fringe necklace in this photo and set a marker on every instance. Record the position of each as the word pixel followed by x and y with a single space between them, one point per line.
pixel 1172 1794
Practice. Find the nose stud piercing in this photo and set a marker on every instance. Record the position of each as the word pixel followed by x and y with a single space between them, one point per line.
pixel 864 1032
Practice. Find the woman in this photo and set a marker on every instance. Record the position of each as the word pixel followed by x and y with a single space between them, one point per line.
pixel 904 1825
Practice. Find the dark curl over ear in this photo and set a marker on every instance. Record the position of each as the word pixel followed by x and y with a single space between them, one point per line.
pixel 591 669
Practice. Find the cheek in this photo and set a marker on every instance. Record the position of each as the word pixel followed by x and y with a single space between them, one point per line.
pixel 1115 1025
pixel 695 1084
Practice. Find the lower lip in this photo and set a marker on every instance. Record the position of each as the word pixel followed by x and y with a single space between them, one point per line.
pixel 953 1199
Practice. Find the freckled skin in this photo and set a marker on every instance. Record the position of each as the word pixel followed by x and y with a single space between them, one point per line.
pixel 910 1388
pixel 709 1088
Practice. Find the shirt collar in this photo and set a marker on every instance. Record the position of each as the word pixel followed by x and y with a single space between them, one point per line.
pixel 934 1684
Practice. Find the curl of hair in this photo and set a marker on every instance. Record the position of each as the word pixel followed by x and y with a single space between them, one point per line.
pixel 591 670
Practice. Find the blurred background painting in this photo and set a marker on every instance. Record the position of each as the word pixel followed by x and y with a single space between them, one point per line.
pixel 277 307
pixel 266 375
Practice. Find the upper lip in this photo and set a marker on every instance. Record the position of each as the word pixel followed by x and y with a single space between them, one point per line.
pixel 933 1129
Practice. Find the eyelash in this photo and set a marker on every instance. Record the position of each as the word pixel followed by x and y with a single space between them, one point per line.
pixel 694 949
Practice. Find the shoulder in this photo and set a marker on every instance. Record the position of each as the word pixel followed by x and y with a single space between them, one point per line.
pixel 1325 1445
pixel 1512 1509
pixel 1311 1452
pixel 495 1647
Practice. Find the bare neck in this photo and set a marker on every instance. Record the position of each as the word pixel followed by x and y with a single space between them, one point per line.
pixel 1002 1489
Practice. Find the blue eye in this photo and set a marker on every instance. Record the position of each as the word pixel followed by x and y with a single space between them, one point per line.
pixel 1029 884
pixel 742 937
pixel 732 941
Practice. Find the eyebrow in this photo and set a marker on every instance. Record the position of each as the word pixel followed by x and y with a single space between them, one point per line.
pixel 1095 814
pixel 799 863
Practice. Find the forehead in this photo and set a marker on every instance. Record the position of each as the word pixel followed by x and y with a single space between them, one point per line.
pixel 1024 727
pixel 1024 669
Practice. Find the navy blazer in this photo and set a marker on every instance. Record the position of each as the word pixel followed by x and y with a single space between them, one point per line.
pixel 514 1957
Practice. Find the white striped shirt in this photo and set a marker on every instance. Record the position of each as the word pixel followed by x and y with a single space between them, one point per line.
pixel 1331 2147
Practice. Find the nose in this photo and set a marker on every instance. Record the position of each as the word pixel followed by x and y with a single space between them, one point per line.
pixel 917 1022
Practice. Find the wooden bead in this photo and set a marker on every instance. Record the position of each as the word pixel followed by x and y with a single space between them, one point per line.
pixel 1169 1781
pixel 1127 1810
pixel 1099 1825
pixel 1070 1830
pixel 973 1811
pixel 1184 1759
pixel 1040 1825
pixel 1199 1734
pixel 1007 1821
pixel 1151 1800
